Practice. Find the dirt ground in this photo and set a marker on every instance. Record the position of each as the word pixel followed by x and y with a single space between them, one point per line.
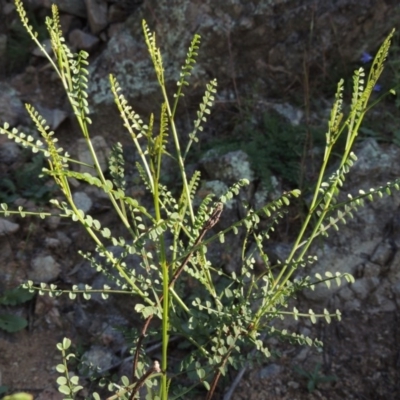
pixel 362 351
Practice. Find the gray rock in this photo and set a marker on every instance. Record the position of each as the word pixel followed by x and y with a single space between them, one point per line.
pixel 351 305
pixel 382 254
pixel 292 114
pixel 267 41
pixel 7 270
pixel 116 13
pixel 3 48
pixel 47 46
pixel 279 252
pixel 82 201
pixel 303 354
pixel 396 292
pixel 52 243
pixel 8 8
pixel 7 227
pixel 54 117
pixel 12 110
pixel 263 196
pixel 84 155
pixel 65 241
pixel 364 287
pixel 383 299
pixel 83 41
pixel 98 358
pixel 44 269
pixel 218 188
pixel 229 167
pixel 371 270
pixel 74 7
pixel 9 152
pixel 270 371
pixel 53 222
pixel 97 15
pixel 293 385
pixel 345 293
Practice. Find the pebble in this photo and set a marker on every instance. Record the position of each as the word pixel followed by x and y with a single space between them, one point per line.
pixel 270 371
pixel 82 201
pixel 7 227
pixel 44 269
pixel 99 358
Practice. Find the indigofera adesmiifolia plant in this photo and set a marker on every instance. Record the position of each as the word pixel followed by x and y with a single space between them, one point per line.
pixel 229 313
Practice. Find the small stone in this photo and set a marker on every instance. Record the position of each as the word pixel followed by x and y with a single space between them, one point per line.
pixel 382 254
pixel 98 358
pixel 83 41
pixel 65 241
pixel 54 117
pixel 229 167
pixel 292 114
pixel 303 354
pixel 8 8
pixel 9 153
pixel 97 15
pixel 52 243
pixel 50 394
pixel 218 188
pixel 116 13
pixel 270 371
pixel 102 152
pixel 12 110
pixel 47 46
pixel 74 7
pixel 7 227
pixel 293 385
pixel 53 222
pixel 82 201
pixel 44 269
pixel 364 286
pixel 3 48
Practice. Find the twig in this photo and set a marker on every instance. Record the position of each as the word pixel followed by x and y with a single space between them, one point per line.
pixel 155 368
pixel 235 383
pixel 211 222
pixel 239 376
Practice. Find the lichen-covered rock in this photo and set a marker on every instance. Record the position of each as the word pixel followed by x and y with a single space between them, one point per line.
pixel 101 149
pixel 229 167
pixel 7 227
pixel 44 268
pixel 258 44
pixel 12 110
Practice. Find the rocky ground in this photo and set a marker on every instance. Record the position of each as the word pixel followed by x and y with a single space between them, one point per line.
pixel 361 354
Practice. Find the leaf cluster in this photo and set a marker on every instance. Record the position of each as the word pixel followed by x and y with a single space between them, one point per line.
pixel 10 322
pixel 26 182
pixel 225 314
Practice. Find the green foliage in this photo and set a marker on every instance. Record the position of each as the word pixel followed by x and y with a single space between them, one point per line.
pixel 15 296
pixel 274 145
pixel 314 377
pixel 18 396
pixel 19 44
pixel 67 384
pixel 13 323
pixel 26 182
pixel 394 68
pixel 228 313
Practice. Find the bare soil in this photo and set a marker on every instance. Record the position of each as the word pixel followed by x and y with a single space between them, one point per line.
pixel 362 351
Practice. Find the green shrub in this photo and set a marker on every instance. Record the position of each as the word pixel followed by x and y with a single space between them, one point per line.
pixel 229 313
pixel 10 322
pixel 27 182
